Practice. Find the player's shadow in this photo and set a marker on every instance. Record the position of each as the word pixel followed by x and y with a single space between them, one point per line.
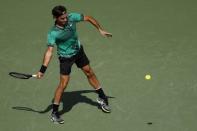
pixel 69 99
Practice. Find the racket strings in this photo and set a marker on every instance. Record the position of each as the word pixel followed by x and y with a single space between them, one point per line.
pixel 19 75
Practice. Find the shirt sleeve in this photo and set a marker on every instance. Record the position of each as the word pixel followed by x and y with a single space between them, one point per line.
pixel 51 39
pixel 77 17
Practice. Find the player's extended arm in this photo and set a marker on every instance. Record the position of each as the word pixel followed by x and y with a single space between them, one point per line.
pixel 46 60
pixel 95 23
pixel 47 56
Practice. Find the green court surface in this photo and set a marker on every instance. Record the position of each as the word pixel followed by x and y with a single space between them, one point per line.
pixel 149 37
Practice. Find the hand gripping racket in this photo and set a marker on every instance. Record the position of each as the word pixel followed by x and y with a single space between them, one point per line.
pixel 21 75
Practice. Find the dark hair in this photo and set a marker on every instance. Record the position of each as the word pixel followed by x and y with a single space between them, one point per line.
pixel 58 11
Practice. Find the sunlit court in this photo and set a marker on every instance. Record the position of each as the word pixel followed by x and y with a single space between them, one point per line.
pixel 144 58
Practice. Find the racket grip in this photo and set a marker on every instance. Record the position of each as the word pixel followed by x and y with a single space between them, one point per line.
pixel 34 75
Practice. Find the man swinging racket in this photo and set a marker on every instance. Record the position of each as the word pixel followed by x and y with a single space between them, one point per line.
pixel 63 34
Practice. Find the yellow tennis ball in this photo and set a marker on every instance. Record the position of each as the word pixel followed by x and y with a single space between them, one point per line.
pixel 148 77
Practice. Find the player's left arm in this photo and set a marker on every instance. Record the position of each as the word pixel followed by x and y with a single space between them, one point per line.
pixel 95 23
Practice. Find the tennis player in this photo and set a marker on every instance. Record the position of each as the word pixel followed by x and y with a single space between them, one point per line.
pixel 69 49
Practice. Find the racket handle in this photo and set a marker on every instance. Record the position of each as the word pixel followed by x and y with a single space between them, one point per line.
pixel 34 75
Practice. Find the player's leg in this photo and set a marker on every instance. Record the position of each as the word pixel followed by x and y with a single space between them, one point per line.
pixel 64 79
pixel 92 79
pixel 102 98
pixel 83 63
pixel 55 117
pixel 65 70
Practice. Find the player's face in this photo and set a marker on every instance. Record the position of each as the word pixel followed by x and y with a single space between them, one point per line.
pixel 62 20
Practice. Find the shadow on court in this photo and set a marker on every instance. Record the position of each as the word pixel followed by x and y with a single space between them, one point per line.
pixel 69 100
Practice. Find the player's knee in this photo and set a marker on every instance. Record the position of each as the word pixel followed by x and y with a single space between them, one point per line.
pixel 63 84
pixel 89 73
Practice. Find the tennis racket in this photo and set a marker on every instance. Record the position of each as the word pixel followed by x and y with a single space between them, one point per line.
pixel 21 75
